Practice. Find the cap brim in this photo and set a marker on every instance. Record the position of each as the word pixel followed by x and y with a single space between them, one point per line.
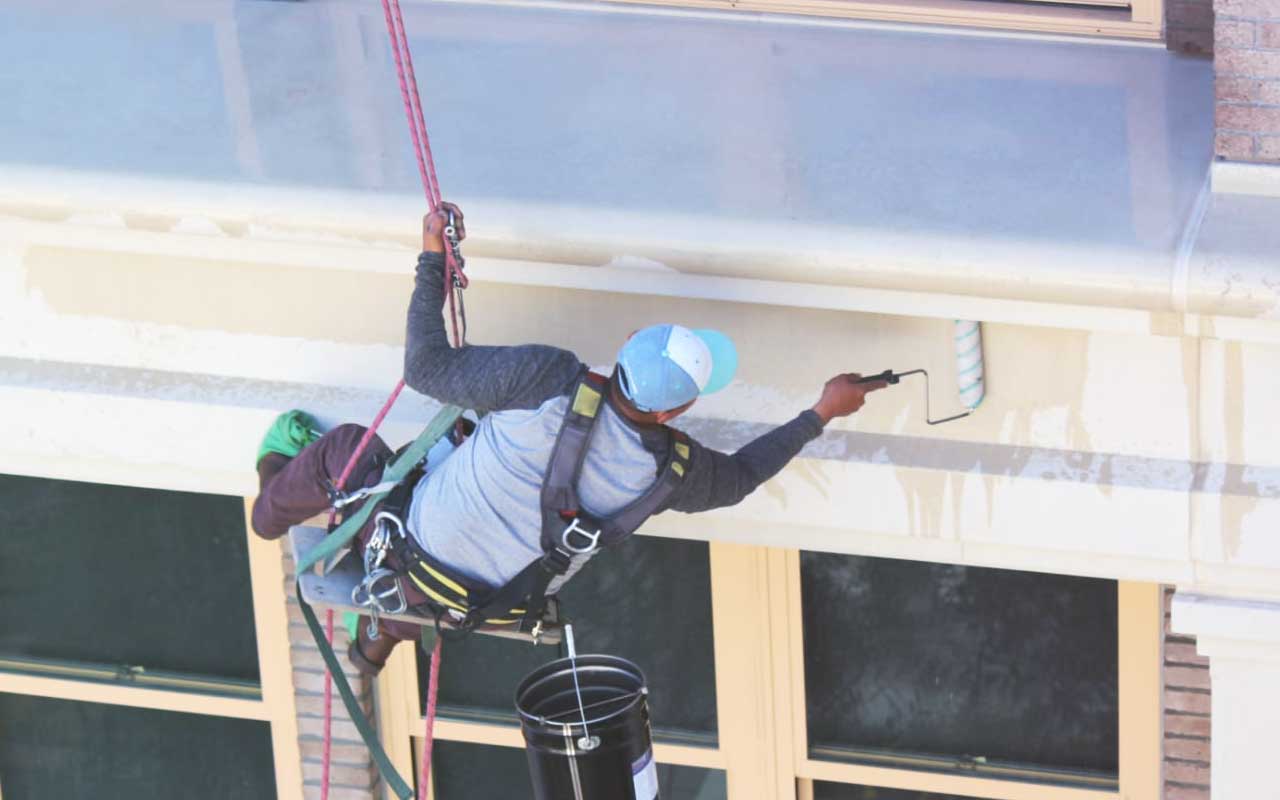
pixel 724 359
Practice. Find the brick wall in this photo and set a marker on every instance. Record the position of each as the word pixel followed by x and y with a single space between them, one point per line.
pixel 1188 26
pixel 352 774
pixel 1186 716
pixel 1247 65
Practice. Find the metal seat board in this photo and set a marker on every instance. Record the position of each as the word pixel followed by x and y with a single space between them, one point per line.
pixel 333 590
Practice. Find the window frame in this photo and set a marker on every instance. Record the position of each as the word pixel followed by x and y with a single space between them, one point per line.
pixel 763 740
pixel 273 703
pixel 1139 620
pixel 1141 19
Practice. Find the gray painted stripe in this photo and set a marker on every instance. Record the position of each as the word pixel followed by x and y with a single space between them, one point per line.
pixel 999 460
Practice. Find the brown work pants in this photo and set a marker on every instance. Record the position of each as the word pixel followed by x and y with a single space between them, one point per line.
pixel 293 490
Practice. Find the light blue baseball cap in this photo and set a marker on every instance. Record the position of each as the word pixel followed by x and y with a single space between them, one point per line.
pixel 662 367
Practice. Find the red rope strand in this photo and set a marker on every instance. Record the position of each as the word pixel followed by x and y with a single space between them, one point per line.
pixel 453 276
pixel 428 742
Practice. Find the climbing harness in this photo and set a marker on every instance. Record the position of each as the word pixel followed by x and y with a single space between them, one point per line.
pixel 570 534
pixel 891 377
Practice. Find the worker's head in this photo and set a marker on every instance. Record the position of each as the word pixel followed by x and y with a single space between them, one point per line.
pixel 663 369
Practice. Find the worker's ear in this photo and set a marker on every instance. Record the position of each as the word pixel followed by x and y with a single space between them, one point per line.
pixel 662 417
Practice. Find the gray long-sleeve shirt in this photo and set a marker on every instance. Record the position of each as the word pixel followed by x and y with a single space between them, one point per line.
pixel 479 511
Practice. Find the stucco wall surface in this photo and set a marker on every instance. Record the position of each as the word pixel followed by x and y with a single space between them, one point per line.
pixel 1137 456
pixel 173 274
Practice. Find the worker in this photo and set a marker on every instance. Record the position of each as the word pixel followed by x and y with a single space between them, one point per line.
pixel 480 521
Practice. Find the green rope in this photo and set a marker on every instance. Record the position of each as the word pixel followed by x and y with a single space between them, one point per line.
pixel 385 767
pixel 395 471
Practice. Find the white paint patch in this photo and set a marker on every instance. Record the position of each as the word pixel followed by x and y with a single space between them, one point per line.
pixel 638 262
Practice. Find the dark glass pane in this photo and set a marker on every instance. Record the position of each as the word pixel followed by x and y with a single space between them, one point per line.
pixel 62 748
pixel 691 783
pixel 960 662
pixel 844 791
pixel 647 600
pixel 116 575
pixel 463 771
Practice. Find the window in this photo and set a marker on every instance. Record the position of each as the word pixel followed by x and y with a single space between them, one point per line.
pixel 66 748
pixel 143 646
pixel 649 601
pixel 134 581
pixel 464 770
pixel 960 667
pixel 794 709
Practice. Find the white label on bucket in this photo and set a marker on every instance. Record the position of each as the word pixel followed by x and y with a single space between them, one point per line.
pixel 644 777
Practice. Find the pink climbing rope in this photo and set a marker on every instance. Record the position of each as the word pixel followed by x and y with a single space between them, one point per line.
pixel 454 277
pixel 428 743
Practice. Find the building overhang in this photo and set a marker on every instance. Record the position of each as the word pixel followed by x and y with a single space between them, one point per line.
pixel 231 233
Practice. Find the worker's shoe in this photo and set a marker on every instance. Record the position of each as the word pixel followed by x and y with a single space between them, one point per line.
pixel 367 655
pixel 291 431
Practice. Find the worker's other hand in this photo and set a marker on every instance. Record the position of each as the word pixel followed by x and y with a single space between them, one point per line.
pixel 433 226
pixel 841 396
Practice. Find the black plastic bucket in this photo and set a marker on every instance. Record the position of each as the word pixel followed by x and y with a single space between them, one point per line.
pixel 611 757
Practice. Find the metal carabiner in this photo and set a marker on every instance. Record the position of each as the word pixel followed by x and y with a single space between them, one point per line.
pixel 366 594
pixel 455 246
pixel 591 536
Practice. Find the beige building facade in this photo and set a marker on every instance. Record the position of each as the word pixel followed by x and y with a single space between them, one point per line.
pixel 209 214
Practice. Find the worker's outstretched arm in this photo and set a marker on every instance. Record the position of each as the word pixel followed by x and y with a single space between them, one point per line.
pixel 716 479
pixel 473 376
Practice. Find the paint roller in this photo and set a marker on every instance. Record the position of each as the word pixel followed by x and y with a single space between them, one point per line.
pixel 969 372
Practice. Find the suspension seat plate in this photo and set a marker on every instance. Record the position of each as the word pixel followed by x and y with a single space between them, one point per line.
pixel 333 590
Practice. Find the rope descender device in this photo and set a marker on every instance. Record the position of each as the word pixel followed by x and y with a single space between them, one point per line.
pixel 890 377
pixel 455 249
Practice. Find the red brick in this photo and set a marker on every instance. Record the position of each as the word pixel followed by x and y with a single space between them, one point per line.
pixel 1186 772
pixel 1269 35
pixel 1228 33
pixel 1269 148
pixel 1233 146
pixel 1230 89
pixel 1183 653
pixel 1188 749
pixel 1190 702
pixel 1253 63
pixel 314 704
pixel 308 657
pixel 309 681
pixel 311 791
pixel 1187 725
pixel 340 752
pixel 1187 677
pixel 1251 119
pixel 1186 793
pixel 362 777
pixel 1269 93
pixel 314 726
pixel 1246 8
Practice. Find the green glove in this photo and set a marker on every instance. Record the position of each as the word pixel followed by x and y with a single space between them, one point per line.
pixel 292 431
